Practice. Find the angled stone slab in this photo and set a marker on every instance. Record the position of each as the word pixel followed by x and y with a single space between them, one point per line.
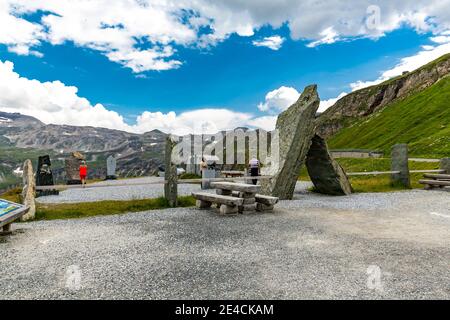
pixel 295 128
pixel 326 174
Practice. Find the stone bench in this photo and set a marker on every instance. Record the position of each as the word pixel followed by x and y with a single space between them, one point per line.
pixel 8 218
pixel 265 203
pixel 228 204
pixel 430 184
pixel 244 191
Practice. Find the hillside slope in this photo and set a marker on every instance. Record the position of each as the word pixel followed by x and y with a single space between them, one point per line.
pixel 422 120
pixel 363 103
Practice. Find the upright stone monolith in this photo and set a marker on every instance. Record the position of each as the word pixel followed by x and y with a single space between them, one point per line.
pixel 29 191
pixel 399 162
pixel 170 174
pixel 111 165
pixel 72 166
pixel 445 165
pixel 44 176
pixel 326 174
pixel 295 128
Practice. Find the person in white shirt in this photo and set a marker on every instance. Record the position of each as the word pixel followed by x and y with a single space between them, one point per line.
pixel 254 169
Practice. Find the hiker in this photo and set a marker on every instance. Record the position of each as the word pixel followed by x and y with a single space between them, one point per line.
pixel 83 173
pixel 254 169
pixel 203 165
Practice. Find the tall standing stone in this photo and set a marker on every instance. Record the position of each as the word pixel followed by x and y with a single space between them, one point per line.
pixel 326 174
pixel 111 165
pixel 445 165
pixel 44 176
pixel 170 174
pixel 29 191
pixel 399 162
pixel 72 165
pixel 296 128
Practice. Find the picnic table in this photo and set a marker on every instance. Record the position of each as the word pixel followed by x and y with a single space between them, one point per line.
pixel 236 198
pixel 9 212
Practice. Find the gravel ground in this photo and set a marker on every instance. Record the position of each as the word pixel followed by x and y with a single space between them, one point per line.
pixel 310 248
pixel 129 191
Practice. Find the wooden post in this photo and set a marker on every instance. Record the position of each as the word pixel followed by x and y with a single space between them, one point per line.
pixel 445 165
pixel 170 174
pixel 399 162
pixel 29 191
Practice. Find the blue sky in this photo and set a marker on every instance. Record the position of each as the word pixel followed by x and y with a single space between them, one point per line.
pixel 228 73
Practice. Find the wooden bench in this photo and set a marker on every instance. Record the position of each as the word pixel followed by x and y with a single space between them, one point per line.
pixel 228 204
pixel 15 212
pixel 441 177
pixel 430 184
pixel 265 203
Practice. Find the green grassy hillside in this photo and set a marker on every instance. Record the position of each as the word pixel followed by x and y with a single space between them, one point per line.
pixel 421 120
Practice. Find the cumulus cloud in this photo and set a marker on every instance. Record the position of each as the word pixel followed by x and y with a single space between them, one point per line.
pixel 273 42
pixel 143 34
pixel 279 99
pixel 411 63
pixel 57 103
pixel 325 104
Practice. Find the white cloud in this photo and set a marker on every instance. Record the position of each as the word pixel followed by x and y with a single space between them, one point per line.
pixel 279 99
pixel 411 63
pixel 54 102
pixel 273 42
pixel 328 36
pixel 265 122
pixel 325 104
pixel 142 34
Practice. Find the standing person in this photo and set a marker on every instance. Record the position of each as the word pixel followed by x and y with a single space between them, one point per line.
pixel 254 169
pixel 203 168
pixel 83 173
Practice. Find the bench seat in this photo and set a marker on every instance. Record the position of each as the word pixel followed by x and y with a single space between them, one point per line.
pixel 228 204
pixel 242 187
pixel 445 177
pixel 429 184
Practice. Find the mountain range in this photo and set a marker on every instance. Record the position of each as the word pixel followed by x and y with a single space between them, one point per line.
pixel 413 108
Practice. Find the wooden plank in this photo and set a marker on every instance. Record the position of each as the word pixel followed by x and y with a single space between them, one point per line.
pixel 435 183
pixel 242 187
pixel 215 198
pixel 427 171
pixel 437 176
pixel 267 200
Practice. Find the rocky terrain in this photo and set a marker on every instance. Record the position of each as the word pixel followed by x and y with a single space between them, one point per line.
pixel 367 101
pixel 24 137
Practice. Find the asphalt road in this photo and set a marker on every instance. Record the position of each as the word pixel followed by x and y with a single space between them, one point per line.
pixel 368 246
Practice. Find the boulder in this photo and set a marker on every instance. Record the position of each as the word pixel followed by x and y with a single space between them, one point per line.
pixel 326 174
pixel 296 128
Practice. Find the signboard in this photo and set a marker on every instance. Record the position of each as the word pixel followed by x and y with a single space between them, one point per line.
pixel 8 207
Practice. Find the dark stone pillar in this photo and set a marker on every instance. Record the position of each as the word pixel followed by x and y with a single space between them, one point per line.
pixel 399 158
pixel 326 174
pixel 445 165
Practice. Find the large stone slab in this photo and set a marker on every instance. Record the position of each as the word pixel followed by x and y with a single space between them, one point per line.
pixel 326 174
pixel 399 162
pixel 445 165
pixel 72 166
pixel 296 128
pixel 111 165
pixel 44 176
pixel 29 191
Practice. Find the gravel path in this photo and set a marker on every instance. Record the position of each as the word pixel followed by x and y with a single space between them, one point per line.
pixel 313 247
pixel 129 191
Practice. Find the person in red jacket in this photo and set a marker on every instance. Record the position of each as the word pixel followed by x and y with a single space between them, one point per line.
pixel 83 173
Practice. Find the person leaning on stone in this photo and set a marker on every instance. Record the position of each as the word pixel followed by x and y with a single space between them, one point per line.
pixel 253 164
pixel 83 173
